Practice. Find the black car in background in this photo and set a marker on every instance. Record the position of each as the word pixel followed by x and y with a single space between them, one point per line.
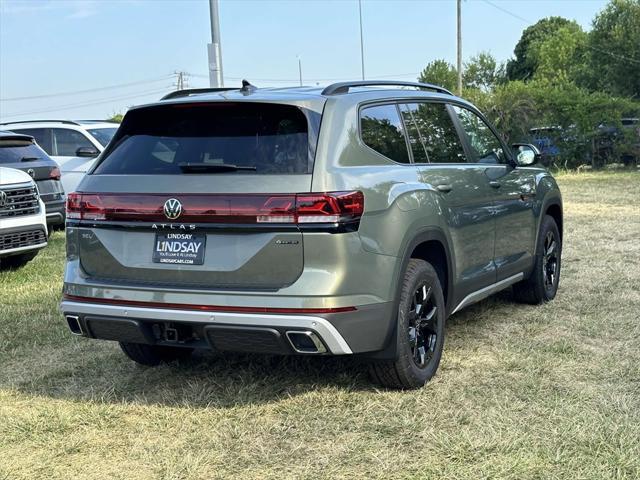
pixel 21 152
pixel 619 142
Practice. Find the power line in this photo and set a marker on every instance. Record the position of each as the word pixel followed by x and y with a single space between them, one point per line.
pixel 91 103
pixel 529 23
pixel 514 15
pixel 291 80
pixel 89 90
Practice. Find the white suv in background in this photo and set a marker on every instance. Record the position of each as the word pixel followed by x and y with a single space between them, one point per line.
pixel 23 220
pixel 74 145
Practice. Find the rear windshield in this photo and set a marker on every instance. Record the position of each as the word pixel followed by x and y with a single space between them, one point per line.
pixel 212 138
pixel 14 151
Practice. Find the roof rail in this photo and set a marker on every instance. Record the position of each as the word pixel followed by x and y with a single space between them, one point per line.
pixel 95 121
pixel 68 122
pixel 195 91
pixel 343 87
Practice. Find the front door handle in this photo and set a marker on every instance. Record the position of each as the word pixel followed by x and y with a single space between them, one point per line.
pixel 443 187
pixel 494 184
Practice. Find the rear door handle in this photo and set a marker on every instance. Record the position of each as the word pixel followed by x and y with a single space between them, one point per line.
pixel 494 184
pixel 443 187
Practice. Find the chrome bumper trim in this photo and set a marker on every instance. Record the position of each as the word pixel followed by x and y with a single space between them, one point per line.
pixel 336 343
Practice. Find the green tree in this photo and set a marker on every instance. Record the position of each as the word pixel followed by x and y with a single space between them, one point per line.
pixel 525 63
pixel 483 72
pixel 614 49
pixel 116 117
pixel 440 72
pixel 560 56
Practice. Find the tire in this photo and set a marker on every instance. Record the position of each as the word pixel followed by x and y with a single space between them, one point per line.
pixel 542 284
pixel 153 355
pixel 17 261
pixel 419 348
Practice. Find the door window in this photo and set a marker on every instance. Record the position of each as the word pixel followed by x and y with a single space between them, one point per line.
pixel 485 146
pixel 382 131
pixel 67 142
pixel 42 137
pixel 432 134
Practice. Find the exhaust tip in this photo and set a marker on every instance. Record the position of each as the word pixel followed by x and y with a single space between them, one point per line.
pixel 74 324
pixel 305 341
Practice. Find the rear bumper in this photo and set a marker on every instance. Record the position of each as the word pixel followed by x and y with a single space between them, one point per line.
pixel 363 330
pixel 55 211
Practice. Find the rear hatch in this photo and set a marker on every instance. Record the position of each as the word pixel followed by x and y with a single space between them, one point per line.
pixel 20 152
pixel 199 195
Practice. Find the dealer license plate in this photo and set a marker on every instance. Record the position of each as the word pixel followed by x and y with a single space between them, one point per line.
pixel 180 248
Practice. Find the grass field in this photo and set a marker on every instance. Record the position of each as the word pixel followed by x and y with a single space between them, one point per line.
pixel 522 392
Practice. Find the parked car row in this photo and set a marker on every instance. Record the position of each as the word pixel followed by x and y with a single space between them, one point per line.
pixel 610 142
pixel 74 145
pixel 39 162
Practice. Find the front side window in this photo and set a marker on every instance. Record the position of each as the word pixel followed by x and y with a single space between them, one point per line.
pixel 436 139
pixel 103 135
pixel 382 131
pixel 485 146
pixel 67 142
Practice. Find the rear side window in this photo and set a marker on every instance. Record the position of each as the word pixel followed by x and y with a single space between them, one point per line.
pixel 433 136
pixel 382 131
pixel 42 137
pixel 249 138
pixel 16 151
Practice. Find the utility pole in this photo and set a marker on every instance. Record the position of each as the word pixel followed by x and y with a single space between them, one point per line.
pixel 180 80
pixel 214 49
pixel 300 69
pixel 459 47
pixel 361 39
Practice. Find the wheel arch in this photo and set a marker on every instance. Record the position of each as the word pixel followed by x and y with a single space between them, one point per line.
pixel 554 210
pixel 431 245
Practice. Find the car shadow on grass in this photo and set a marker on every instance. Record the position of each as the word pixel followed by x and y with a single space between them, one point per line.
pixel 89 370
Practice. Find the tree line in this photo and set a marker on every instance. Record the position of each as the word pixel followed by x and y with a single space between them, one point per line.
pixel 576 90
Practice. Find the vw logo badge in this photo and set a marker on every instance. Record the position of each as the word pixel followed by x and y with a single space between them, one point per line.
pixel 3 199
pixel 172 208
pixel 31 172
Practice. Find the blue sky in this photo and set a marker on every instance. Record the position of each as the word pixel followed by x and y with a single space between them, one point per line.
pixel 125 51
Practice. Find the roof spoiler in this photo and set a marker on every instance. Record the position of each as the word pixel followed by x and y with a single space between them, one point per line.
pixel 343 87
pixel 247 88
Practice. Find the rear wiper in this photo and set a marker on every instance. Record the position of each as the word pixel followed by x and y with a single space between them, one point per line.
pixel 212 167
pixel 29 159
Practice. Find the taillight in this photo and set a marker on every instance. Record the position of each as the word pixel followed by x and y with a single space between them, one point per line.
pixel 55 173
pixel 337 207
pixel 74 210
pixel 304 208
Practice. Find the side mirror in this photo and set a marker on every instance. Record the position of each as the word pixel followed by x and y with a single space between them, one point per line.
pixel 87 152
pixel 526 154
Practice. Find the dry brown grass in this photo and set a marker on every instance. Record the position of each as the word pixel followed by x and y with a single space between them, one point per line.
pixel 522 392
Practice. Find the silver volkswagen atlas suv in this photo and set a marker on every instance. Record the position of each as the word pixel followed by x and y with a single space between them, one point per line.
pixel 347 220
